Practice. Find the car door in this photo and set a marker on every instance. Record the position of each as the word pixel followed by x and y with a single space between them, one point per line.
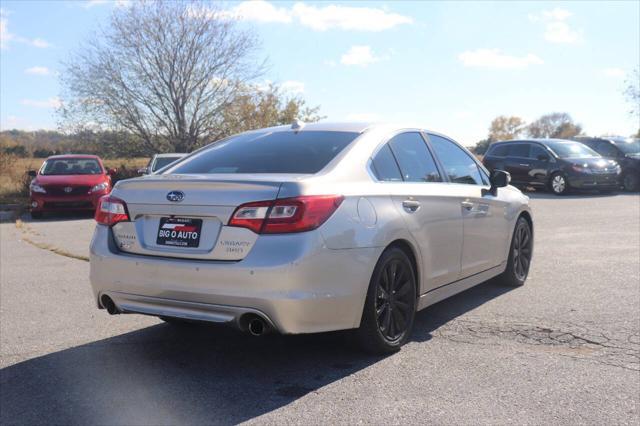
pixel 431 216
pixel 485 227
pixel 518 163
pixel 540 160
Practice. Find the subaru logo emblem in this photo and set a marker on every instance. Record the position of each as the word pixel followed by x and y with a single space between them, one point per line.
pixel 68 189
pixel 175 196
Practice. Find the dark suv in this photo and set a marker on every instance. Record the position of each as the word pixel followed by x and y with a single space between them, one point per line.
pixel 556 164
pixel 625 151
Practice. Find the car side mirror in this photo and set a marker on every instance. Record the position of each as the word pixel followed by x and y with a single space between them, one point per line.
pixel 32 173
pixel 543 157
pixel 143 170
pixel 112 172
pixel 498 179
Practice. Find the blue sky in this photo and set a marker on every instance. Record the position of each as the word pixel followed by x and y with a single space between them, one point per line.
pixel 451 66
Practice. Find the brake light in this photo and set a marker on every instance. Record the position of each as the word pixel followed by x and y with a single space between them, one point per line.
pixel 286 215
pixel 111 210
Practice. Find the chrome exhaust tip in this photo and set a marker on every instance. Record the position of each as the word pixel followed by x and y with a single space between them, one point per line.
pixel 109 305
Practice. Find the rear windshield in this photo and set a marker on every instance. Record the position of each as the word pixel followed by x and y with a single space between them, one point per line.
pixel 71 166
pixel 572 150
pixel 163 161
pixel 274 152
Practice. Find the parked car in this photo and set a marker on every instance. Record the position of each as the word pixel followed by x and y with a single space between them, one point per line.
pixel 68 182
pixel 310 228
pixel 626 151
pixel 159 161
pixel 557 164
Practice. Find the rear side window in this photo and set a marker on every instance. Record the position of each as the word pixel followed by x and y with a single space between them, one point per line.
pixel 415 161
pixel 458 165
pixel 519 150
pixel 537 151
pixel 273 152
pixel 385 166
pixel 500 150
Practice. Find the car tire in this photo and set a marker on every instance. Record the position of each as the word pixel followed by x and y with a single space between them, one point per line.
pixel 558 184
pixel 390 304
pixel 631 182
pixel 520 254
pixel 36 215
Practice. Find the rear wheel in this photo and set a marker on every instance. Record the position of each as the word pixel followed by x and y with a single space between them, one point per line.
pixel 631 182
pixel 558 184
pixel 520 254
pixel 390 306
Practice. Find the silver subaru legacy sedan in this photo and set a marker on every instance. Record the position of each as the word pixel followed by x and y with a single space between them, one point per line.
pixel 310 228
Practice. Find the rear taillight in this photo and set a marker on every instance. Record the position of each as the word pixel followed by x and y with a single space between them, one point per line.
pixel 286 215
pixel 111 210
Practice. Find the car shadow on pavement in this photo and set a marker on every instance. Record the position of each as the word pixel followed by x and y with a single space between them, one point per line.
pixel 197 374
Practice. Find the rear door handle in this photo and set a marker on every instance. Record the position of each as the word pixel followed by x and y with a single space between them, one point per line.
pixel 411 205
pixel 525 165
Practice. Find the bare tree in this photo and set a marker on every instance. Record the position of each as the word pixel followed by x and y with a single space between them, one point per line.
pixel 632 93
pixel 163 71
pixel 504 128
pixel 555 125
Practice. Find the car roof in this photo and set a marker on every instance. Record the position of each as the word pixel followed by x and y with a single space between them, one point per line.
pixel 345 126
pixel 73 156
pixel 172 154
pixel 539 140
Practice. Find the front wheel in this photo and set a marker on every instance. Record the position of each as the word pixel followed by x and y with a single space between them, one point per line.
pixel 390 305
pixel 520 254
pixel 559 184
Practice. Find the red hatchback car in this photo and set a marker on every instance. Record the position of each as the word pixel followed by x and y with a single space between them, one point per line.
pixel 69 182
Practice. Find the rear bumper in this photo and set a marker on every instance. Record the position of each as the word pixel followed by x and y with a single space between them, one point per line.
pixel 293 281
pixel 44 202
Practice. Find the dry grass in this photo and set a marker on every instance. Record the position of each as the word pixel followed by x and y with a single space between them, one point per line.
pixel 14 182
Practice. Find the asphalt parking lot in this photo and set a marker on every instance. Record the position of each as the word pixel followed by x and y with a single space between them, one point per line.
pixel 563 349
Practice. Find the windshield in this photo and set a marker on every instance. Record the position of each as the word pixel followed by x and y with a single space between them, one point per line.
pixel 274 152
pixel 164 161
pixel 572 150
pixel 71 166
pixel 630 146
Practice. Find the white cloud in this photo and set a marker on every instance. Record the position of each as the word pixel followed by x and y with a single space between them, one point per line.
pixel 7 37
pixel 556 27
pixel 261 11
pixel 560 32
pixel 347 18
pixel 292 86
pixel 38 71
pixel 614 72
pixel 91 3
pixel 47 103
pixel 360 55
pixel 557 14
pixel 363 117
pixel 495 59
pixel 319 18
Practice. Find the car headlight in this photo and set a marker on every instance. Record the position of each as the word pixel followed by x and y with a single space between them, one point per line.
pixel 34 187
pixel 100 187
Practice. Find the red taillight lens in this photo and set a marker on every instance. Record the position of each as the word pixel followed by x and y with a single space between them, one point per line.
pixel 111 210
pixel 286 215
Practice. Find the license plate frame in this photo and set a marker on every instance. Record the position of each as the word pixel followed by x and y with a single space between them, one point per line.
pixel 179 232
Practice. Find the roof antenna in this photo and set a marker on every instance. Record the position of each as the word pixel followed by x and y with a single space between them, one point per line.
pixel 297 125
